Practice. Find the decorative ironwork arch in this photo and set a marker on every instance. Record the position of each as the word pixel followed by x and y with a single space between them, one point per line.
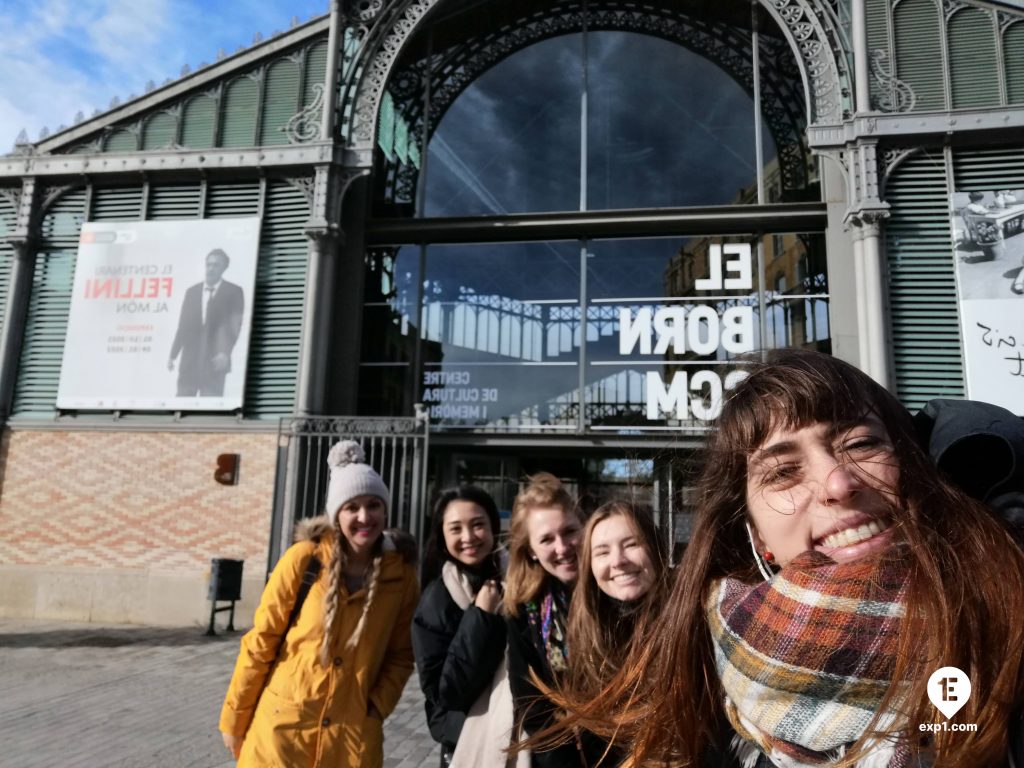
pixel 382 30
pixel 783 105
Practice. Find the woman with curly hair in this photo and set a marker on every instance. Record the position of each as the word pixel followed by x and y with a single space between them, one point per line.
pixel 312 688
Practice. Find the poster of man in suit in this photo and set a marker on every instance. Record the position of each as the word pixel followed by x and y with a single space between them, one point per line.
pixel 208 328
pixel 160 316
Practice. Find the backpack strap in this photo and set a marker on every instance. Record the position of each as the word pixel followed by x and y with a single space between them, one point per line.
pixel 309 578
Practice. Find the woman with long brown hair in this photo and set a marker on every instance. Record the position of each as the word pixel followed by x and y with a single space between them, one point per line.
pixel 543 537
pixel 830 573
pixel 622 586
pixel 623 581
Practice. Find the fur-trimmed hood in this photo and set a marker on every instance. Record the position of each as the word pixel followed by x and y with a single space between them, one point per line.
pixel 395 539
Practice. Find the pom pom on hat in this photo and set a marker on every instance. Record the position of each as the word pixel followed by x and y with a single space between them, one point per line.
pixel 351 476
pixel 346 452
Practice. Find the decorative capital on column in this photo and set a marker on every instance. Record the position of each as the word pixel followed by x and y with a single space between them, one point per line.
pixel 323 234
pixel 868 220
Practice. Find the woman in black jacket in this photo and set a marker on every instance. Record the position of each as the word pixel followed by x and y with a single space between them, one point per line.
pixel 458 634
pixel 543 537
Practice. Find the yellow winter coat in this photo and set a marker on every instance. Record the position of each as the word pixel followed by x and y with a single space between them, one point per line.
pixel 299 713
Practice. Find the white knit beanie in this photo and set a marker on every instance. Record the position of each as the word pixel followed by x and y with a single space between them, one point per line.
pixel 351 476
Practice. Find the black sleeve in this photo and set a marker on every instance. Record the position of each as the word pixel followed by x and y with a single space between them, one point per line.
pixel 533 711
pixel 473 657
pixel 457 654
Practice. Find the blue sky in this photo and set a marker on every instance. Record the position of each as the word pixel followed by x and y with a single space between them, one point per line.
pixel 59 57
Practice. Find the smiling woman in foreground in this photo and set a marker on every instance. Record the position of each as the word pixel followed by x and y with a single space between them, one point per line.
pixel 830 572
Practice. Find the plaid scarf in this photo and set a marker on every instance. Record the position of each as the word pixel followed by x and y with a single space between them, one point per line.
pixel 806 658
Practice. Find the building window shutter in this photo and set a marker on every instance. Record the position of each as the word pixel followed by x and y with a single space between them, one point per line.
pixel 280 101
pixel 1013 53
pixel 43 347
pixel 280 297
pixel 198 119
pixel 919 51
pixel 922 284
pixel 972 59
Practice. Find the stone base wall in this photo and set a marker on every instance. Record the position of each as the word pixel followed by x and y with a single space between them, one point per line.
pixel 121 526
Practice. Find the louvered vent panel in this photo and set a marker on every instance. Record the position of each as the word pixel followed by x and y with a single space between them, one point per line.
pixel 878 43
pixel 232 199
pixel 919 51
pixel 1013 55
pixel 316 68
pixel 239 109
pixel 174 201
pixel 988 169
pixel 280 101
pixel 972 58
pixel 197 122
pixel 121 140
pixel 277 320
pixel 159 131
pixel 922 285
pixel 116 204
pixel 8 218
pixel 43 348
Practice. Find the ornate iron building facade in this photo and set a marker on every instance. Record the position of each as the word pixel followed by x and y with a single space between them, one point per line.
pixel 553 228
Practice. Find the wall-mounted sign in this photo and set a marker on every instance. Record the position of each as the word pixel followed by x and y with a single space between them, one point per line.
pixel 988 232
pixel 160 315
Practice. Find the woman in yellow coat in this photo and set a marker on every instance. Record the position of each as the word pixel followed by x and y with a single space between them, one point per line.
pixel 316 693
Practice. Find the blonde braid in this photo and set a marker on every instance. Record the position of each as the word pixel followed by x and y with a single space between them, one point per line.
pixel 371 592
pixel 334 572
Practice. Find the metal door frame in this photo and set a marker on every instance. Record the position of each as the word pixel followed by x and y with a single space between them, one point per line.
pixel 397 447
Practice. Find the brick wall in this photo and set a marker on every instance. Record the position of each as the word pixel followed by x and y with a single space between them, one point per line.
pixel 111 506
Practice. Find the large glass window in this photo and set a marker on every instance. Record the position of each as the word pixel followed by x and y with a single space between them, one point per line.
pixel 494 337
pixel 499 112
pixel 509 108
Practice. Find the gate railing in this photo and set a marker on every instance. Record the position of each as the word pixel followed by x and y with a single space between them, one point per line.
pixel 396 447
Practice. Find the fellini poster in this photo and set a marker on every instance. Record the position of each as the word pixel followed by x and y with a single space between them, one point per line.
pixel 160 315
pixel 988 229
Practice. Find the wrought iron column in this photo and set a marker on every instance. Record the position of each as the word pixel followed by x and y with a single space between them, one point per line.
pixel 18 293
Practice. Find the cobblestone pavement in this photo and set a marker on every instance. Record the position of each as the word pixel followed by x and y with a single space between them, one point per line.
pixel 92 696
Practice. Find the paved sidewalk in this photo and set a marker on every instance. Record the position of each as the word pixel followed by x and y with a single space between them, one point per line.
pixel 93 696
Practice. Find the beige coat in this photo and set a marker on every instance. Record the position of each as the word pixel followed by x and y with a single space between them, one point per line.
pixel 300 713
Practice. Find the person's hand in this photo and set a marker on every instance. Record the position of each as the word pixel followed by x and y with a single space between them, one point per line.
pixel 170 364
pixel 233 743
pixel 219 362
pixel 489 597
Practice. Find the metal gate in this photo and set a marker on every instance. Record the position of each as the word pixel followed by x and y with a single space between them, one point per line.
pixel 395 447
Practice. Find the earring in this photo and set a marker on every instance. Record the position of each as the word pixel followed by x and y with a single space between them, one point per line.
pixel 762 565
pixel 769 556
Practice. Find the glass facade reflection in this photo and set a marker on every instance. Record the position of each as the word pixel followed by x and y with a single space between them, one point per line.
pixel 497 112
pixel 494 336
pixel 499 109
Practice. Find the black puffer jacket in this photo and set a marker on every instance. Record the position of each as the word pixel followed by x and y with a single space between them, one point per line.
pixel 457 654
pixel 533 711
